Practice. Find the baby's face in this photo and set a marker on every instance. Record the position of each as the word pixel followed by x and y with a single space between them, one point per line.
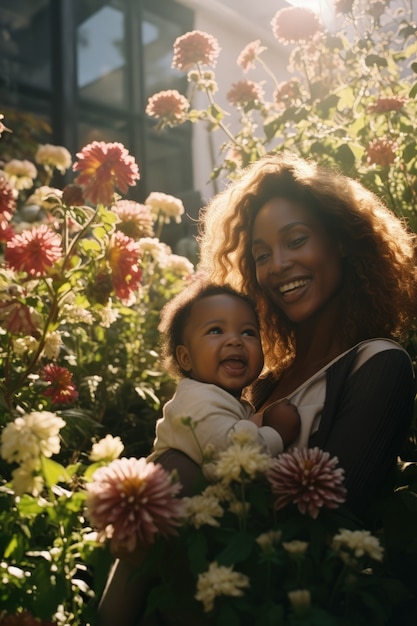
pixel 222 344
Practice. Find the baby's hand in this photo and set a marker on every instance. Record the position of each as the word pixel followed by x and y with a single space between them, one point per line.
pixel 284 417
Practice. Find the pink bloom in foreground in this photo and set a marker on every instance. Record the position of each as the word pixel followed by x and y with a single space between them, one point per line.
pixel 123 256
pixel 34 251
pixel 104 167
pixel 246 59
pixel 308 478
pixel 195 47
pixel 169 106
pixel 295 25
pixel 17 317
pixel 23 619
pixel 61 389
pixel 131 501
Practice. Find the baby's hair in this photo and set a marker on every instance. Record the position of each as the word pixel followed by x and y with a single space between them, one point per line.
pixel 176 312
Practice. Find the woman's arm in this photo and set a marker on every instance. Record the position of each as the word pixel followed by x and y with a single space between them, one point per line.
pixel 365 421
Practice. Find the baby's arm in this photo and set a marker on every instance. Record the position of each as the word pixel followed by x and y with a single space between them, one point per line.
pixel 283 417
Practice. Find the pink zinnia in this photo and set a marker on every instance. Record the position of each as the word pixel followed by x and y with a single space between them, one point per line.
pixel 169 106
pixel 16 317
pixel 245 93
pixel 103 168
pixel 7 202
pixel 308 478
pixel 123 256
pixel 193 48
pixel 131 501
pixel 246 59
pixel 381 152
pixel 295 25
pixel 34 251
pixel 61 389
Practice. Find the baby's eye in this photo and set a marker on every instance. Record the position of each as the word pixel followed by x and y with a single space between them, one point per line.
pixel 216 330
pixel 250 332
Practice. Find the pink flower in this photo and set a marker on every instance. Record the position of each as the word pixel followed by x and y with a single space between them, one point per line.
pixel 103 168
pixel 123 256
pixel 381 152
pixel 131 501
pixel 385 105
pixel 245 93
pixel 7 202
pixel 168 106
pixel 289 90
pixel 195 47
pixel 136 220
pixel 308 478
pixel 23 619
pixel 246 59
pixel 61 389
pixel 295 25
pixel 34 251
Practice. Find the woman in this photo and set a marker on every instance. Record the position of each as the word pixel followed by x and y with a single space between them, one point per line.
pixel 333 273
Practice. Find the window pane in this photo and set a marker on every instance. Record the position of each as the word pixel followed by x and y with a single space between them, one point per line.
pixel 101 57
pixel 25 45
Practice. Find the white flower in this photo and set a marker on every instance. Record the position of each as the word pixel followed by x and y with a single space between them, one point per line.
pixel 266 541
pixel 300 599
pixel 167 206
pixel 241 509
pixel 152 246
pixel 107 449
pixel 241 461
pixel 202 510
pixel 30 436
pixel 54 156
pixel 219 581
pixel 295 547
pixel 107 315
pixel 20 174
pixel 358 542
pixel 53 344
pixel 178 265
pixel 72 313
pixel 23 346
pixel 45 197
pixel 25 479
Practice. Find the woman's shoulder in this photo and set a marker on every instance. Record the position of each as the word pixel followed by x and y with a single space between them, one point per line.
pixel 369 348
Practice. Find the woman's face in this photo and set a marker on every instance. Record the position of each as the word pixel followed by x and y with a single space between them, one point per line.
pixel 298 266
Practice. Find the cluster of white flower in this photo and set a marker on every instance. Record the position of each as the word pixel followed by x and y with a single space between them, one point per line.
pixel 25 441
pixel 107 449
pixel 219 581
pixel 162 204
pixel 354 544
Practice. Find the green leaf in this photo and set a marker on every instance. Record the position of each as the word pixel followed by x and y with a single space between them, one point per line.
pixel 54 472
pixel 238 549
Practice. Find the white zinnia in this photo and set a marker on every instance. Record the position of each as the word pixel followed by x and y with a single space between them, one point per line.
pixel 30 436
pixel 202 510
pixel 219 581
pixel 107 449
pixel 167 206
pixel 54 156
pixel 360 542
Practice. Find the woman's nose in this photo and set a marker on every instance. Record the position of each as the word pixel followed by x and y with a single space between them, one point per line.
pixel 279 261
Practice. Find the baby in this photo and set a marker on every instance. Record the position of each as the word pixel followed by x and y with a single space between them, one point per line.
pixel 211 341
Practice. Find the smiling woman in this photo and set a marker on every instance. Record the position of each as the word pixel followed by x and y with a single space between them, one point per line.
pixel 333 274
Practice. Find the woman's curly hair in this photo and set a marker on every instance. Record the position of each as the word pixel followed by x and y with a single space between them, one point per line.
pixel 380 276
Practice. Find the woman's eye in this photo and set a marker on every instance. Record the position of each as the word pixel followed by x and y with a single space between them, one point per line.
pixel 260 257
pixel 298 241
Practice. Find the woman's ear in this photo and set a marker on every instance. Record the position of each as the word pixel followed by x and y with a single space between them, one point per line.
pixel 183 357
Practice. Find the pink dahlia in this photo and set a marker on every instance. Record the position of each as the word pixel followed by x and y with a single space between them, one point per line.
pixel 295 25
pixel 104 167
pixel 381 152
pixel 193 48
pixel 308 478
pixel 34 251
pixel 123 257
pixel 7 202
pixel 245 93
pixel 131 501
pixel 385 105
pixel 246 59
pixel 168 106
pixel 16 317
pixel 61 388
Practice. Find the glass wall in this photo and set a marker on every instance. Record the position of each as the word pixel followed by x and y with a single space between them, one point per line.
pixel 74 71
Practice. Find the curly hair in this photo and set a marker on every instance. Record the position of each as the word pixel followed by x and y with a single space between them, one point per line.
pixel 380 277
pixel 175 313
